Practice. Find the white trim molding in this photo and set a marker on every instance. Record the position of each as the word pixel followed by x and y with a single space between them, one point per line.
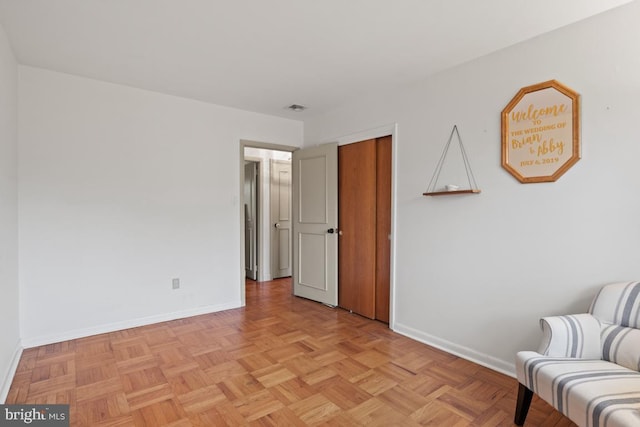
pixel 458 350
pixel 118 326
pixel 378 132
pixel 7 378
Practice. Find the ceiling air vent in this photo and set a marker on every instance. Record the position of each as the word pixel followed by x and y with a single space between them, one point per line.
pixel 297 108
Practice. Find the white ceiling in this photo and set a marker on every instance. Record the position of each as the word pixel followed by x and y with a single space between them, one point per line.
pixel 262 55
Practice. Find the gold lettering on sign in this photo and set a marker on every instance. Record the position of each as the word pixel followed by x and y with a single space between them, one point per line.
pixel 533 138
pixel 533 113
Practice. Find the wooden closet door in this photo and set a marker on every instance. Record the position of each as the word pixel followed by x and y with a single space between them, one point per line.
pixel 357 222
pixel 383 228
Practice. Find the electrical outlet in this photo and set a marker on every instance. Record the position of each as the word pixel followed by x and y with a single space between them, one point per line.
pixel 175 283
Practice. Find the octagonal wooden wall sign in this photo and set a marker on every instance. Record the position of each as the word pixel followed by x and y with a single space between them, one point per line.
pixel 541 132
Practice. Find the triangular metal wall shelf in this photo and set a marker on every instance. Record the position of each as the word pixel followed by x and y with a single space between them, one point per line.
pixel 473 187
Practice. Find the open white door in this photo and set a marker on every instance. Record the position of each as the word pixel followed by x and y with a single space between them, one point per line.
pixel 315 223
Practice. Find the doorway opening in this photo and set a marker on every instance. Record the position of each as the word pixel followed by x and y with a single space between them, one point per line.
pixel 265 211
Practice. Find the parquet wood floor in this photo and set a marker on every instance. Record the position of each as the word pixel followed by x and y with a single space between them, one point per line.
pixel 279 361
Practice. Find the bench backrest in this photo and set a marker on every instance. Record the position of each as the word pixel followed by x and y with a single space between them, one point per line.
pixel 617 306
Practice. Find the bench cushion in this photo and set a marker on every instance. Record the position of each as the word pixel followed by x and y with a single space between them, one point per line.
pixel 592 393
pixel 621 345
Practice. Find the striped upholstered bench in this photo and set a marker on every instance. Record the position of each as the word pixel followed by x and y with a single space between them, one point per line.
pixel 588 365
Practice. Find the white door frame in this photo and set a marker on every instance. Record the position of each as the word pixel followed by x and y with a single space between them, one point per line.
pixel 255 144
pixel 391 129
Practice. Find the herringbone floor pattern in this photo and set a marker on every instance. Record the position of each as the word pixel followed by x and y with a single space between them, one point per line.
pixel 280 361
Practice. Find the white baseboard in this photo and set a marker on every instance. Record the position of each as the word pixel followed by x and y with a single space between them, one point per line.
pixel 7 378
pixel 133 323
pixel 458 350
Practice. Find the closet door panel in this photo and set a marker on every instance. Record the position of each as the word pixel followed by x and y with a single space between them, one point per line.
pixel 357 224
pixel 383 227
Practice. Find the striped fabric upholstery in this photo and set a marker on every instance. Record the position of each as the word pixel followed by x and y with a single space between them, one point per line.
pixel 576 335
pixel 618 304
pixel 593 385
pixel 621 346
pixel 592 393
pixel 618 307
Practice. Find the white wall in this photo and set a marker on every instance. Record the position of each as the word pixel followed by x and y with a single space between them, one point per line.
pixel 265 156
pixel 474 273
pixel 122 190
pixel 10 336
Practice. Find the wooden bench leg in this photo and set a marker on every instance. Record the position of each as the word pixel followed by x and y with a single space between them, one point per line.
pixel 522 406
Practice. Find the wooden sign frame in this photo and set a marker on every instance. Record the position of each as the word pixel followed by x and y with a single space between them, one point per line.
pixel 541 132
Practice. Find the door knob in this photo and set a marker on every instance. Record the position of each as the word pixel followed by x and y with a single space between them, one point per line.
pixel 277 225
pixel 331 231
